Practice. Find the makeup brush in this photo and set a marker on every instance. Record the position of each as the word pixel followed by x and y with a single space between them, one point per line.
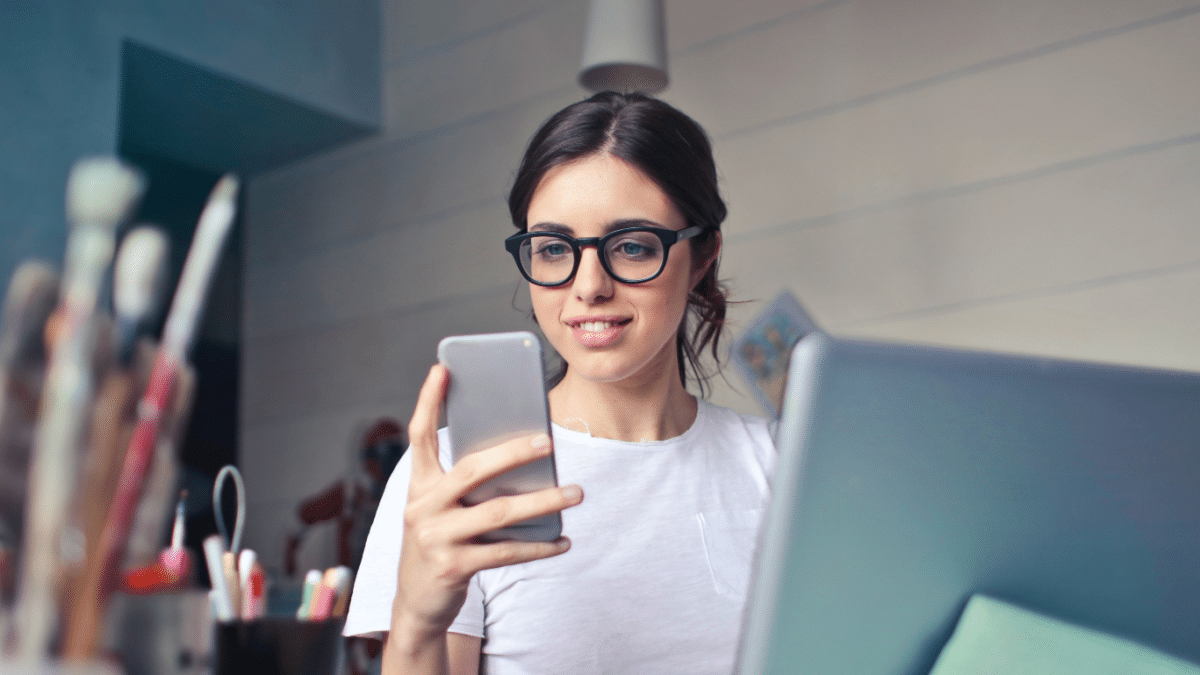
pixel 31 297
pixel 111 420
pixel 161 481
pixel 169 364
pixel 136 272
pixel 100 195
pixel 138 276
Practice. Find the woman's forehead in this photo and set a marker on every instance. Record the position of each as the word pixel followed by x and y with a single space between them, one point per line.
pixel 596 192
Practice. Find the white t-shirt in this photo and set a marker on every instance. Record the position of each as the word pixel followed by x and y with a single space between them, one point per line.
pixel 656 577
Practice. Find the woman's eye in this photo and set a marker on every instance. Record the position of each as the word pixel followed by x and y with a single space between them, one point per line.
pixel 553 249
pixel 635 250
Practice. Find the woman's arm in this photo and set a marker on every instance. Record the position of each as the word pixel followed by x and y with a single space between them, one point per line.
pixel 462 655
pixel 440 554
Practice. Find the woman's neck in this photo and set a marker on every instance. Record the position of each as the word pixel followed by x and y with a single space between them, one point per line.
pixel 631 410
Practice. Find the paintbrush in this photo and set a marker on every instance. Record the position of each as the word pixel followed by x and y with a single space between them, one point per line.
pixel 170 362
pixel 112 421
pixel 162 479
pixel 112 428
pixel 100 195
pixel 31 297
pixel 138 275
pixel 160 483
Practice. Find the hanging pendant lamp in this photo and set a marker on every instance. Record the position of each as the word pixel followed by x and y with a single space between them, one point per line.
pixel 625 47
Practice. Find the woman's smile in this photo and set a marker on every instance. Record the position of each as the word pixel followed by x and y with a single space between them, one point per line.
pixel 597 331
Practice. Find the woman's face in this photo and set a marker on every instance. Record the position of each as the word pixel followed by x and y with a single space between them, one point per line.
pixel 606 330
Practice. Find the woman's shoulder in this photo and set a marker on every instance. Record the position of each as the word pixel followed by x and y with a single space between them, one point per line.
pixel 726 421
pixel 728 416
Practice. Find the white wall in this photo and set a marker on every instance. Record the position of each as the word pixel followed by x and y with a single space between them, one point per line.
pixel 1018 176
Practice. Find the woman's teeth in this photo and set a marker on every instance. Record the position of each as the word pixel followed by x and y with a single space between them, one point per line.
pixel 595 326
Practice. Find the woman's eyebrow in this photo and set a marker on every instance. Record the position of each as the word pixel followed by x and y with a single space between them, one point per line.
pixel 611 227
pixel 630 222
pixel 551 227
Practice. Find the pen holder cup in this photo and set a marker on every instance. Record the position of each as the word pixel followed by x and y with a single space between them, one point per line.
pixel 278 646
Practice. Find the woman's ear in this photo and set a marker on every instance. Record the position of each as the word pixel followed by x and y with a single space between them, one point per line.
pixel 698 271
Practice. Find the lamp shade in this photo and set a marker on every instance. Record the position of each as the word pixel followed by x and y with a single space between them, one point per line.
pixel 625 48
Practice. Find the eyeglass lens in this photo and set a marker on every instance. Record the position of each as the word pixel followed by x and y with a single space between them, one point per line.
pixel 631 257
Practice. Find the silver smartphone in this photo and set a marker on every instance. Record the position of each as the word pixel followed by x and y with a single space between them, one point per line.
pixel 497 392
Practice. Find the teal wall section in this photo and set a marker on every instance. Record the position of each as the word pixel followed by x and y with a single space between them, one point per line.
pixel 61 83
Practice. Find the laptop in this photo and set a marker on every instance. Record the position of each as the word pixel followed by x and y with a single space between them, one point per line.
pixel 911 477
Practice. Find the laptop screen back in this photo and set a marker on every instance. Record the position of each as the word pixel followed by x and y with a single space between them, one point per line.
pixel 910 478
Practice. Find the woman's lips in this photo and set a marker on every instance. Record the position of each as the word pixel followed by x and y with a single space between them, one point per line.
pixel 598 332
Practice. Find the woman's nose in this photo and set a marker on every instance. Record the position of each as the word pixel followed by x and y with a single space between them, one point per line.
pixel 592 283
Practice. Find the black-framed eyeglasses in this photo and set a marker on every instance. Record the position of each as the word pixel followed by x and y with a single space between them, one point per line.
pixel 632 255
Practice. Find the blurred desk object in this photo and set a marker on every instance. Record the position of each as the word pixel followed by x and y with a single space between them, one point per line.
pixel 352 500
pixel 761 354
pixel 162 634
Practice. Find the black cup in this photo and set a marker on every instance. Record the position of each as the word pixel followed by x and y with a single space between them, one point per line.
pixel 278 646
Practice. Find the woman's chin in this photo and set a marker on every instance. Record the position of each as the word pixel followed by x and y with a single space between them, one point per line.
pixel 600 370
pixel 597 374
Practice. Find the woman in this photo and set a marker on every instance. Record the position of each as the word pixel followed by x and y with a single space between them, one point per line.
pixel 619 215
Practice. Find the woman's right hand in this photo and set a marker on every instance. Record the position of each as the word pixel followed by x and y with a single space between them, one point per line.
pixel 440 552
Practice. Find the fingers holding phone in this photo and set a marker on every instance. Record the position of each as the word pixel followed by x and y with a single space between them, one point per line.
pixel 442 514
pixel 423 426
pixel 444 541
pixel 499 504
pixel 485 467
pixel 481 521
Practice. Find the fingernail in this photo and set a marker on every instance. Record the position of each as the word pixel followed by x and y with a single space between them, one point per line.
pixel 572 493
pixel 540 442
pixel 564 543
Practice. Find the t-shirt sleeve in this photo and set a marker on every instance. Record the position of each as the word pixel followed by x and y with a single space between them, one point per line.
pixel 370 610
pixel 470 617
